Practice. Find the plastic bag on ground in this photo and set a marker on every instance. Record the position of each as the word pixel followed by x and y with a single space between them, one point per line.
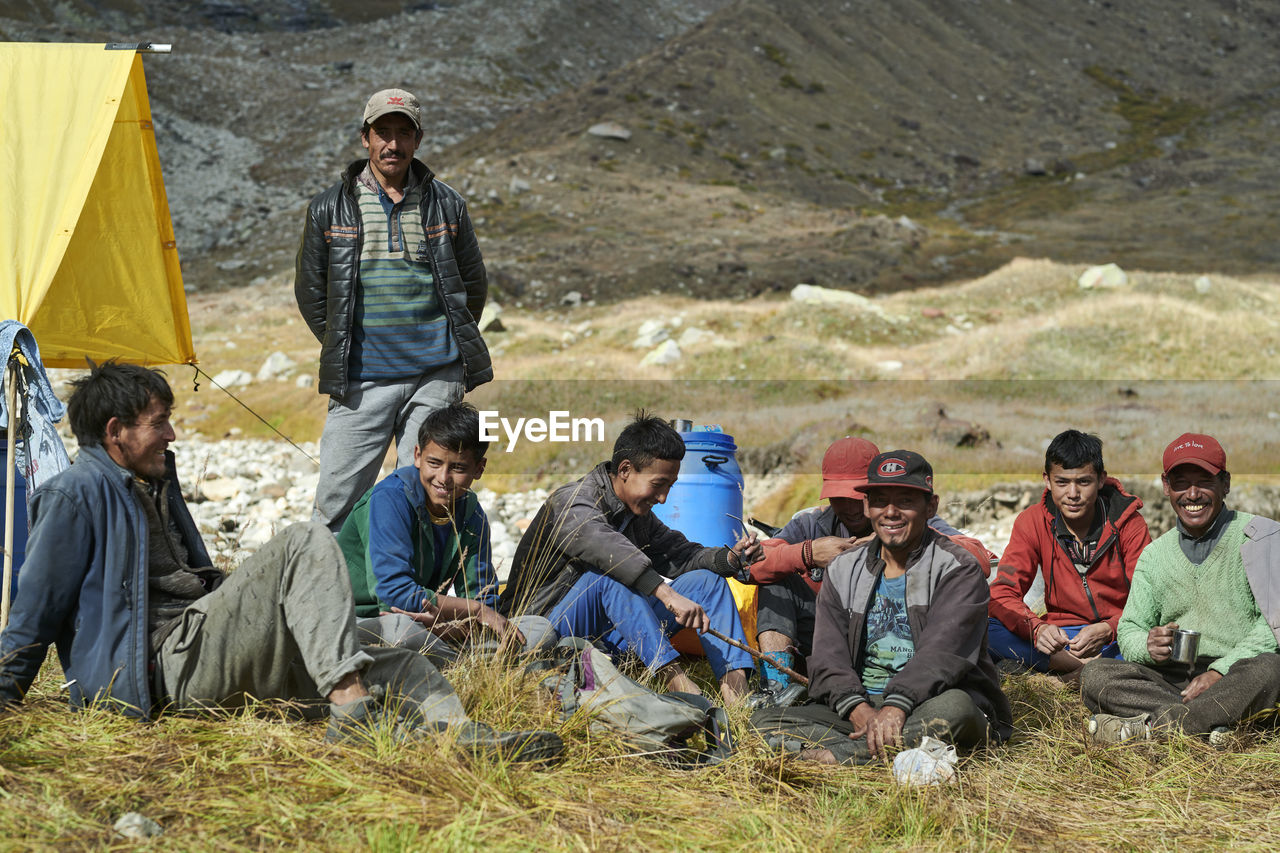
pixel 931 763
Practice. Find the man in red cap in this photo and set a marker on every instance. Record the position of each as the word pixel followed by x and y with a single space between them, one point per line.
pixel 795 559
pixel 1217 573
pixel 900 636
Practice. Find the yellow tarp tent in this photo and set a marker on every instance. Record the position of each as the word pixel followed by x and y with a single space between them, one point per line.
pixel 87 255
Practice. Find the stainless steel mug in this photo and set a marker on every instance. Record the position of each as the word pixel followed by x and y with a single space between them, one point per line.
pixel 1185 645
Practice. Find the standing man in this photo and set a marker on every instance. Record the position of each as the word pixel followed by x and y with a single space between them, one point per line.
pixel 1217 572
pixel 900 640
pixel 1084 536
pixel 391 282
pixel 117 576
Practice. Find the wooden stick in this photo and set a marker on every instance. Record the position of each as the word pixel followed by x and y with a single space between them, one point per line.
pixel 759 655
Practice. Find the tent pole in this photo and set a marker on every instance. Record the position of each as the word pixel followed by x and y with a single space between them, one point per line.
pixel 11 392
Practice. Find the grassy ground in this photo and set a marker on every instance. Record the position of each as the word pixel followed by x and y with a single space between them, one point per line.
pixel 257 780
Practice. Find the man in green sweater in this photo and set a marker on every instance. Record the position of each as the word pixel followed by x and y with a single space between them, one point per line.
pixel 1218 573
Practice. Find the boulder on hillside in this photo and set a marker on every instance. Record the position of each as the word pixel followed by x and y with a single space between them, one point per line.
pixel 668 352
pixel 1106 275
pixel 609 130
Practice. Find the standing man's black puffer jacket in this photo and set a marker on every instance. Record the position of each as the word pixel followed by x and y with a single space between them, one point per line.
pixel 328 273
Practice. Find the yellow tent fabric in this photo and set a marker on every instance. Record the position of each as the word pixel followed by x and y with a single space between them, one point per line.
pixel 92 266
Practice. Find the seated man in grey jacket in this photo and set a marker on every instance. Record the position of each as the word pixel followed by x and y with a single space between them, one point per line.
pixel 900 640
pixel 117 576
pixel 595 559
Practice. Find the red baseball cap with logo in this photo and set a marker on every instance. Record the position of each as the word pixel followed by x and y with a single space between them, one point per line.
pixel 900 468
pixel 1193 448
pixel 844 467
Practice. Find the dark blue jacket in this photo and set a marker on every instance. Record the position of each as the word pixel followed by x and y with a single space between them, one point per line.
pixel 84 586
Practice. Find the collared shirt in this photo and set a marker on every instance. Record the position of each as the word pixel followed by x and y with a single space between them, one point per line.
pixel 1197 550
pixel 1080 552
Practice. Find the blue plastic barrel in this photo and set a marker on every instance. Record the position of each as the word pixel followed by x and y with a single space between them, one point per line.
pixel 19 516
pixel 705 504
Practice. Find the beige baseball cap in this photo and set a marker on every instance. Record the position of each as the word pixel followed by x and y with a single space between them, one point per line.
pixel 393 101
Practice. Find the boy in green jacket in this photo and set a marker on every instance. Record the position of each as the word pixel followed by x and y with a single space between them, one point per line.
pixel 418 552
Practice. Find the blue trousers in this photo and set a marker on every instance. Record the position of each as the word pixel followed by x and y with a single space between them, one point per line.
pixel 1006 645
pixel 598 607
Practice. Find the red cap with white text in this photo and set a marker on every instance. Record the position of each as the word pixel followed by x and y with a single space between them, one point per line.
pixel 1193 448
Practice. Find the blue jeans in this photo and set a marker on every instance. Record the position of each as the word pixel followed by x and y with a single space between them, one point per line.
pixel 598 607
pixel 1006 645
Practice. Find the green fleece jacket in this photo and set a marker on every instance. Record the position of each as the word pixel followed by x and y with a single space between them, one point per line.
pixel 1214 598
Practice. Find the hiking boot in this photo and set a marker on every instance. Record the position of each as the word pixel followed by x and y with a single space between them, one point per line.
pixel 1108 728
pixel 1220 736
pixel 794 693
pixel 363 720
pixel 766 696
pixel 483 740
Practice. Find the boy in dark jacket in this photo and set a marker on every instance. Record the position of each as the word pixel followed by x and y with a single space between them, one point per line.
pixel 418 552
pixel 1084 536
pixel 900 641
pixel 596 560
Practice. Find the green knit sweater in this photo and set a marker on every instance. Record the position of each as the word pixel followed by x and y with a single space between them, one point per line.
pixel 1213 598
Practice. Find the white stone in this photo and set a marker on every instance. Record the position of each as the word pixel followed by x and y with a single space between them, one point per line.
pixel 668 352
pixel 609 130
pixel 232 378
pixel 491 318
pixel 572 299
pixel 518 186
pixel 277 366
pixel 650 334
pixel 693 336
pixel 1106 275
pixel 889 366
pixel 1203 285
pixel 304 380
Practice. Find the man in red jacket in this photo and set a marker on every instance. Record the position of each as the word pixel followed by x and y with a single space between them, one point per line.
pixel 1084 536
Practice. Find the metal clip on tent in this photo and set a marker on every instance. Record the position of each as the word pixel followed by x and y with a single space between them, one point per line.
pixel 139 46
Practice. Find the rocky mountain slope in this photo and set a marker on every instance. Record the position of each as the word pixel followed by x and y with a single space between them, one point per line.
pixel 850 143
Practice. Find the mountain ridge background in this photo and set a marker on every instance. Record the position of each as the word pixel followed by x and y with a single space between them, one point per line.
pixel 857 145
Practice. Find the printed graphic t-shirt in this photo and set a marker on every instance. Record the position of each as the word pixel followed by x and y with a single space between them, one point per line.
pixel 888 642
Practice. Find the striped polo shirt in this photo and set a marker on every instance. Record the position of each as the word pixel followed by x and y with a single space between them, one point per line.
pixel 400 328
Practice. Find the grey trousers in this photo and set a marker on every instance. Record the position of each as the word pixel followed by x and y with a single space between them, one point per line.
pixel 362 424
pixel 1130 689
pixel 398 631
pixel 951 716
pixel 282 626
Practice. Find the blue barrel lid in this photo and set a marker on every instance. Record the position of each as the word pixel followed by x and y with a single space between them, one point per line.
pixel 708 440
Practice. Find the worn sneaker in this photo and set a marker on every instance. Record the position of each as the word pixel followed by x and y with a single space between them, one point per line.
pixel 1220 736
pixel 1108 728
pixel 483 740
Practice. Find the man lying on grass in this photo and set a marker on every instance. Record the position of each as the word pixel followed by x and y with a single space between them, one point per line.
pixel 1216 573
pixel 595 557
pixel 795 559
pixel 420 535
pixel 1084 536
pixel 900 640
pixel 117 576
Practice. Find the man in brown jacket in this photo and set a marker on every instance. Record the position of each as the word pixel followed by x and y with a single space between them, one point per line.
pixel 900 639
